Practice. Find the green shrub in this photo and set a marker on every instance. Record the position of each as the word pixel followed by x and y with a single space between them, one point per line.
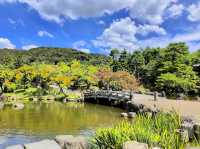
pixel 160 131
pixel 73 95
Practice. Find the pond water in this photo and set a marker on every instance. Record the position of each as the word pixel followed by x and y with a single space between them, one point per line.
pixel 39 121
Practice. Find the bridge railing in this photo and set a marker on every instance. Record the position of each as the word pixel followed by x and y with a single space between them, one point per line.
pixel 111 95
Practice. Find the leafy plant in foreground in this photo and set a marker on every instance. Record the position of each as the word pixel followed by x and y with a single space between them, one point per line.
pixel 160 131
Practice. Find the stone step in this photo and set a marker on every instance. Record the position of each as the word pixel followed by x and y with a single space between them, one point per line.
pixel 45 144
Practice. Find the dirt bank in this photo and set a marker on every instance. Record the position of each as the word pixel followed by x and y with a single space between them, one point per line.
pixel 184 108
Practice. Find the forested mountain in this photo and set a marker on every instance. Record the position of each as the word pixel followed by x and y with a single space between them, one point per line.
pixel 17 58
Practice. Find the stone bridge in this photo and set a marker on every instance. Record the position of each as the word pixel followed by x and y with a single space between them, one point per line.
pixel 108 97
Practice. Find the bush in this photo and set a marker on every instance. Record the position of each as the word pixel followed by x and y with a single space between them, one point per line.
pixel 73 95
pixel 10 87
pixel 160 131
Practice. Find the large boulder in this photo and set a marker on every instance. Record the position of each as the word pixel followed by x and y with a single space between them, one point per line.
pixel 76 143
pixel 134 145
pixel 18 106
pixel 15 147
pixel 45 144
pixel 62 139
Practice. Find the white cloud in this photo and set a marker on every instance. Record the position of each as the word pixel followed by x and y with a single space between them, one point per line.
pixel 146 29
pixel 28 47
pixel 6 43
pixel 155 42
pixel 58 10
pixel 192 38
pixel 43 33
pixel 150 11
pixel 80 45
pixel 194 11
pixel 122 34
pixel 187 37
pixel 175 10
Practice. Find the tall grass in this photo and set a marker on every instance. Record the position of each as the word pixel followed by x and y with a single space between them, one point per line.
pixel 160 131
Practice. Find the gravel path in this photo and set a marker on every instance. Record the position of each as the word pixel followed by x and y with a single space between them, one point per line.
pixel 184 108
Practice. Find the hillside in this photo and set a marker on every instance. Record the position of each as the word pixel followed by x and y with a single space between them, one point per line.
pixel 48 55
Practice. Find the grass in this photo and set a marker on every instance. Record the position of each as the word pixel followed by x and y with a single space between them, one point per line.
pixel 160 131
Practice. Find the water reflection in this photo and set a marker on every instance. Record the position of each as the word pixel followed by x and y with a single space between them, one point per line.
pixel 46 120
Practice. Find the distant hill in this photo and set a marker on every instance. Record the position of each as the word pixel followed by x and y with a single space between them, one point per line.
pixel 48 55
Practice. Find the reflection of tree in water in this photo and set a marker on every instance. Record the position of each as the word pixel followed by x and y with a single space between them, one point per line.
pixel 57 118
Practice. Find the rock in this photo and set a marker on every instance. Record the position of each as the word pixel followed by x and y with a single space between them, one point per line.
pixel 131 114
pixel 45 144
pixel 134 145
pixel 124 114
pixel 64 100
pixel 15 147
pixel 184 136
pixel 134 107
pixel 76 143
pixel 18 106
pixel 2 98
pixel 1 105
pixel 187 119
pixel 189 127
pixel 62 139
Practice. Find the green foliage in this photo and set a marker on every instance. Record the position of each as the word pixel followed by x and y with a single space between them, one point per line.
pixel 171 69
pixel 18 58
pixel 75 75
pixel 160 131
pixel 173 85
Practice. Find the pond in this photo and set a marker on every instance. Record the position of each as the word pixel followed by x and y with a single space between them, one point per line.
pixel 41 121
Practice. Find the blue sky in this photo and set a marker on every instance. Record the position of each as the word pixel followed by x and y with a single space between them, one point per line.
pixel 98 26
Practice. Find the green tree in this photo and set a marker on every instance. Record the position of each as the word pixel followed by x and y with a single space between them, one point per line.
pixel 115 54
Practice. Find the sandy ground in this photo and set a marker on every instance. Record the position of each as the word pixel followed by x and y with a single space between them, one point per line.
pixel 184 108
